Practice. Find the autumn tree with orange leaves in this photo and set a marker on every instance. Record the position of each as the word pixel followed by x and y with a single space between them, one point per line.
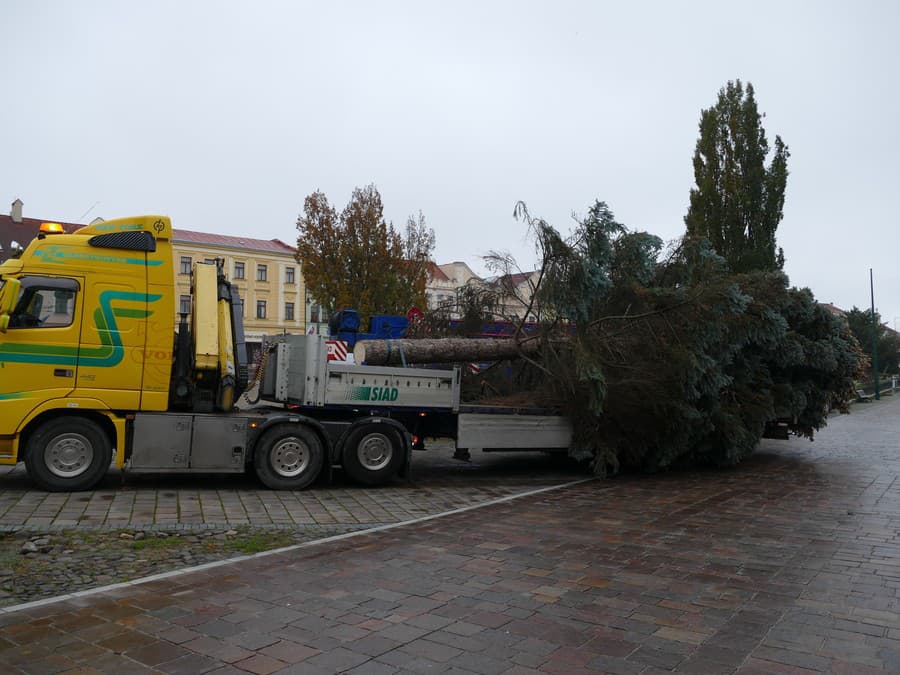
pixel 357 260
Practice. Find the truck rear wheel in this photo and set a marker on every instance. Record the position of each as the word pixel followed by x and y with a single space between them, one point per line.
pixel 373 454
pixel 288 457
pixel 68 454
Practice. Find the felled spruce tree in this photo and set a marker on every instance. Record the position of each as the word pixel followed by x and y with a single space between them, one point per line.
pixel 680 362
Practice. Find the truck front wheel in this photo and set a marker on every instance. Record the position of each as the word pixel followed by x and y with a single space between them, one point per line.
pixel 288 457
pixel 373 454
pixel 68 454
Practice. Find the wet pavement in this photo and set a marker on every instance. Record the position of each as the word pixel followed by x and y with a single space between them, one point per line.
pixel 786 564
pixel 53 545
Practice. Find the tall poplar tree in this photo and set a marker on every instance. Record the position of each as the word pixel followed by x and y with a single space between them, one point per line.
pixel 738 201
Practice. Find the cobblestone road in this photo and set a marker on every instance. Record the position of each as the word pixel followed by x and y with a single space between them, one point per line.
pixel 789 563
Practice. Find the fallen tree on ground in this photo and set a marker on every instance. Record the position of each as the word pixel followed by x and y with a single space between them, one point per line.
pixel 674 362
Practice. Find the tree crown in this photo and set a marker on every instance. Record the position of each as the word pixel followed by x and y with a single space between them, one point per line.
pixel 738 201
pixel 357 260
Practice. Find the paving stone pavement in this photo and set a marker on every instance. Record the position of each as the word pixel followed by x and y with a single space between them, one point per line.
pixel 169 502
pixel 79 536
pixel 786 564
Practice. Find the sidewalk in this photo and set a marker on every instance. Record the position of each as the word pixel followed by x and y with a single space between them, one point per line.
pixel 788 563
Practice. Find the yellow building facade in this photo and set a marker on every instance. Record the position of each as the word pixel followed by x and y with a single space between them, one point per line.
pixel 265 271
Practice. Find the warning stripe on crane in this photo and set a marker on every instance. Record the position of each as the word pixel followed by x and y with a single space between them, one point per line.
pixel 337 350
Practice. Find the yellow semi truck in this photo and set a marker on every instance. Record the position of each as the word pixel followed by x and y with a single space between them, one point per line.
pixel 94 372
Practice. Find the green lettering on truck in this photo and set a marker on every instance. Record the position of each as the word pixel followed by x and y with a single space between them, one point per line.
pixel 373 394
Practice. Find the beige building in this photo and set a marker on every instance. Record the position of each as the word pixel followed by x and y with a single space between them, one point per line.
pixel 515 293
pixel 444 282
pixel 265 272
pixel 439 290
pixel 458 273
pixel 508 296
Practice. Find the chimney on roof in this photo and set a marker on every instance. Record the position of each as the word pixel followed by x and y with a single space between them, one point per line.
pixel 16 211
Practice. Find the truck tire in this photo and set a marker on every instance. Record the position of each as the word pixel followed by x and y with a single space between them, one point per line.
pixel 373 454
pixel 68 454
pixel 288 457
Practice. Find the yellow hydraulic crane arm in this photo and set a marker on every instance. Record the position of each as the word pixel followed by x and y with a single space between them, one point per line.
pixel 226 396
pixel 214 363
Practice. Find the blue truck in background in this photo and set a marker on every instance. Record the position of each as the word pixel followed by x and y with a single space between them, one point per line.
pixel 345 325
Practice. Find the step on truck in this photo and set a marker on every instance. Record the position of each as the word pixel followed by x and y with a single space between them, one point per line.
pixel 95 371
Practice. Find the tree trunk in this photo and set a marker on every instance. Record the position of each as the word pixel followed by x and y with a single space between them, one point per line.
pixel 443 350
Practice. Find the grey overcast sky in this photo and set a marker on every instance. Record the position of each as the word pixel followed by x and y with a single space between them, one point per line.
pixel 225 115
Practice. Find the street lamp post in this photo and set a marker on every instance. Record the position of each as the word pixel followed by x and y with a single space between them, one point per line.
pixel 874 335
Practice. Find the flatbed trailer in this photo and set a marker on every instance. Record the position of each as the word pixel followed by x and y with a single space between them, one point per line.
pixel 321 414
pixel 377 415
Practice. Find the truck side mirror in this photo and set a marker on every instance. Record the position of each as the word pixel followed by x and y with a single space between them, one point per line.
pixel 9 294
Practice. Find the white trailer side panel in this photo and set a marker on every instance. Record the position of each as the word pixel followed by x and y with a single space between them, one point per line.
pixel 304 375
pixel 513 432
pixel 348 384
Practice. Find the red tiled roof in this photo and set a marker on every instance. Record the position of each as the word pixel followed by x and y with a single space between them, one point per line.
pixel 22 233
pixel 228 241
pixel 436 273
pixel 34 224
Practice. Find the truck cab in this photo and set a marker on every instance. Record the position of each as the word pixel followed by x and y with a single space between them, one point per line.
pixel 86 342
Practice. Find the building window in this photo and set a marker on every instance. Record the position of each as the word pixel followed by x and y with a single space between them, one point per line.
pixel 260 309
pixel 185 264
pixel 209 261
pixel 184 307
pixel 314 314
pixel 289 311
pixel 289 275
pixel 238 270
pixel 261 273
